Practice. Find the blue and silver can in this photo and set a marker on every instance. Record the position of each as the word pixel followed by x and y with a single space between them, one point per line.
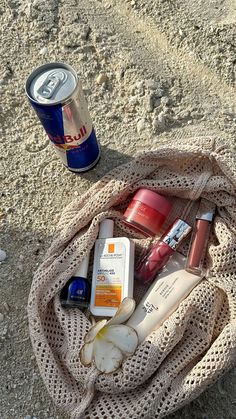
pixel 56 95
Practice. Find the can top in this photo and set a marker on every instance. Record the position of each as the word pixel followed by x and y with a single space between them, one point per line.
pixel 51 83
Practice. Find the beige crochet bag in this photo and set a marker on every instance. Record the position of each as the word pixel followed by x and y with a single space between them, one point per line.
pixel 196 344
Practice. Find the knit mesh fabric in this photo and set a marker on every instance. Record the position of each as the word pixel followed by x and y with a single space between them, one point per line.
pixel 196 344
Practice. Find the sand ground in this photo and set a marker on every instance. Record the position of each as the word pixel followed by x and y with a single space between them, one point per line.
pixel 169 69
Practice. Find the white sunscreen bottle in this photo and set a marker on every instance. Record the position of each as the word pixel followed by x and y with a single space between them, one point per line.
pixel 113 271
pixel 163 297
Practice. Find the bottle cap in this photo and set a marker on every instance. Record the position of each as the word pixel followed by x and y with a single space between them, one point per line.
pixel 106 229
pixel 207 216
pixel 177 232
pixel 206 210
pixel 82 270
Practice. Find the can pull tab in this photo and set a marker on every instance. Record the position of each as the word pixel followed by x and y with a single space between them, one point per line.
pixel 51 84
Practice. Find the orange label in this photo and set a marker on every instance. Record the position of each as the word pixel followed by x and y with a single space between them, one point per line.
pixel 111 248
pixel 108 295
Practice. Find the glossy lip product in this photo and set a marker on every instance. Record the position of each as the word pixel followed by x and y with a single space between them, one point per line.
pixel 159 253
pixel 147 212
pixel 199 240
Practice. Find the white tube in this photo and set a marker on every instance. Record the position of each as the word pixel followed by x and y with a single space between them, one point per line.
pixel 163 297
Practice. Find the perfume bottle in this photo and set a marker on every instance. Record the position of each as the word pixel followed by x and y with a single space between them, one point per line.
pixel 159 253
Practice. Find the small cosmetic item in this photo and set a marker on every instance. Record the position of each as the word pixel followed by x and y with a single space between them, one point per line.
pixel 164 296
pixel 76 292
pixel 159 253
pixel 113 271
pixel 147 212
pixel 199 239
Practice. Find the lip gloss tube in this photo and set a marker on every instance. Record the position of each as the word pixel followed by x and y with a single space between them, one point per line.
pixel 158 254
pixel 199 240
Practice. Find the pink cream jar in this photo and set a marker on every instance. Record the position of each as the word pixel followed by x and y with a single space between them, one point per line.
pixel 147 212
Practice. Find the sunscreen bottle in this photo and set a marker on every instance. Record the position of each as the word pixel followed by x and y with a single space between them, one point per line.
pixel 113 271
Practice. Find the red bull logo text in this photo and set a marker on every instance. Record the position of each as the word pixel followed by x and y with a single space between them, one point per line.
pixel 66 139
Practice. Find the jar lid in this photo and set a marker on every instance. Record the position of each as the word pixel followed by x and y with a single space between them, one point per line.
pixel 153 200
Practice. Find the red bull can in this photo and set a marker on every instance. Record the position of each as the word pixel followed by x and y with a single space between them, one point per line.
pixel 56 95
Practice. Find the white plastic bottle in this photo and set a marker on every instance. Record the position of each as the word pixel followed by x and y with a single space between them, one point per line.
pixel 113 271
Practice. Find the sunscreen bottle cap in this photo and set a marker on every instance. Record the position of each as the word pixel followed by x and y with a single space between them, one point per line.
pixel 106 229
